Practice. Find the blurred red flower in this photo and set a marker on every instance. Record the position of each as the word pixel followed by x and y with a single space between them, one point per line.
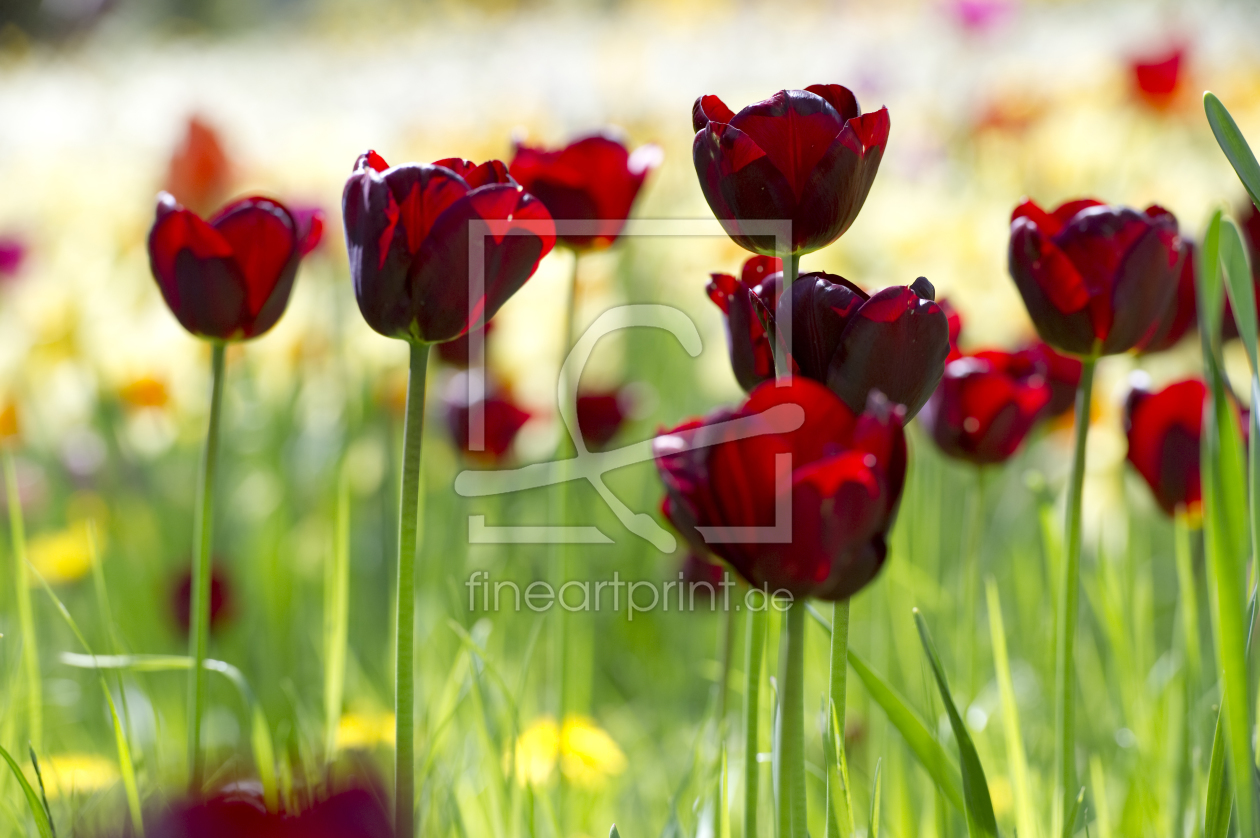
pixel 983 408
pixel 502 418
pixel 221 605
pixel 1157 79
pixel 199 174
pixel 1164 431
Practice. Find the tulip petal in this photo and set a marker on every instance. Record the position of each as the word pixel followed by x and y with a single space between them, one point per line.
pixel 896 343
pixel 264 245
pixel 1145 288
pixel 821 307
pixel 1054 292
pixel 1163 430
pixel 839 97
pixel 795 129
pixel 708 109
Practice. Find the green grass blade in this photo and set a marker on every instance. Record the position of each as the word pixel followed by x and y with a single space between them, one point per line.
pixel 841 778
pixel 876 785
pixel 42 821
pixel 918 736
pixel 26 621
pixel 613 833
pixel 43 792
pixel 1099 781
pixel 1235 146
pixel 979 806
pixel 1219 797
pixel 1225 514
pixel 1016 755
pixel 126 767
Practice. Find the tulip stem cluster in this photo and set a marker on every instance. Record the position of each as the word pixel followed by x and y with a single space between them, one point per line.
pixel 1069 596
pixel 754 648
pixel 203 541
pixel 408 538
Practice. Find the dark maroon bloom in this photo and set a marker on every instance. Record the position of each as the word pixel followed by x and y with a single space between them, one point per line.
pixel 1157 79
pixel 981 412
pixel 240 813
pixel 592 179
pixel 600 416
pixel 1163 430
pixel 1095 279
pixel 407 230
pixel 1182 313
pixel 806 155
pixel 220 599
pixel 954 319
pixel 894 341
pixel 1062 373
pixel 502 419
pixel 744 301
pixel 457 352
pixel 310 227
pixel 12 255
pixel 229 278
pixel 846 474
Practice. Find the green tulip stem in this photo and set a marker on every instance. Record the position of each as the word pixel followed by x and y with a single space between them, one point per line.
pixel 408 537
pixel 203 542
pixel 836 700
pixel 754 647
pixel 1069 595
pixel 790 741
pixel 791 266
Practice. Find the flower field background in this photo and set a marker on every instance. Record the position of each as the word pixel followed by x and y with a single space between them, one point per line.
pixel 563 723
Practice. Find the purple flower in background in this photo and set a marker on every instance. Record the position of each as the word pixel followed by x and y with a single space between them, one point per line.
pixel 12 255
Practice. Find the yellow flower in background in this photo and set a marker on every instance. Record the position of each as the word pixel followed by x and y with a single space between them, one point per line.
pixel 362 731
pixel 62 556
pixel 76 774
pixel 145 391
pixel 586 753
pixel 8 422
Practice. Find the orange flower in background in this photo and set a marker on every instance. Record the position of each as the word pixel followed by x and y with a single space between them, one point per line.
pixel 145 391
pixel 1158 78
pixel 8 423
pixel 200 172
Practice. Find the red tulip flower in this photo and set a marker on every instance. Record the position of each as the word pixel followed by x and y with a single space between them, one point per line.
pixel 502 418
pixel 954 319
pixel 1158 79
pixel 200 173
pixel 228 278
pixel 806 155
pixel 407 231
pixel 1182 312
pixel 744 301
pixel 847 473
pixel 1061 373
pixel 1095 279
pixel 1164 431
pixel 457 352
pixel 354 813
pixel 595 178
pixel 894 341
pixel 981 412
pixel 220 599
pixel 600 416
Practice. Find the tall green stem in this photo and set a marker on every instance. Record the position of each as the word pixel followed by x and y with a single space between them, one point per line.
pixel 790 741
pixel 1189 599
pixel 1069 595
pixel 754 647
pixel 971 585
pixel 203 542
pixel 791 265
pixel 26 620
pixel 836 700
pixel 408 531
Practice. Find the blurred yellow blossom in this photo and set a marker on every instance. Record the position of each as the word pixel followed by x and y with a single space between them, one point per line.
pixel 76 774
pixel 365 730
pixel 587 754
pixel 145 391
pixel 8 423
pixel 62 556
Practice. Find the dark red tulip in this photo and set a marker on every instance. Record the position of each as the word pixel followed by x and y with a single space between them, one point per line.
pixel 592 179
pixel 1062 373
pixel 600 416
pixel 1157 79
pixel 229 278
pixel 1182 313
pixel 894 341
pixel 310 227
pixel 240 813
pixel 806 155
pixel 744 301
pixel 1095 279
pixel 502 417
pixel 12 255
pixel 457 352
pixel 981 412
pixel 847 473
pixel 220 599
pixel 1163 430
pixel 407 230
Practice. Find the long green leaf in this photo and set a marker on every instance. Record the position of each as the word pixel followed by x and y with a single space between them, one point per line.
pixel 929 752
pixel 42 823
pixel 1016 755
pixel 979 811
pixel 1225 537
pixel 1235 146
